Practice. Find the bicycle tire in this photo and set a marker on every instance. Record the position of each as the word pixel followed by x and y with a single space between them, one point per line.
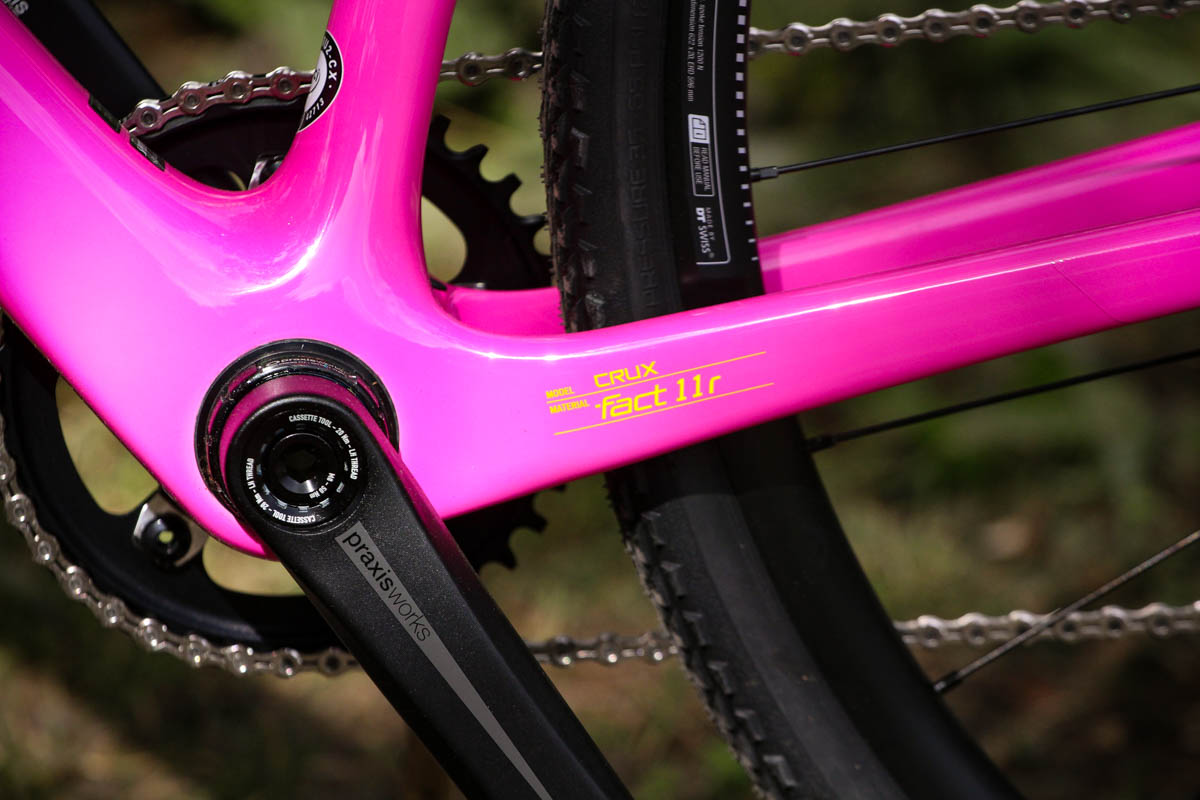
pixel 797 663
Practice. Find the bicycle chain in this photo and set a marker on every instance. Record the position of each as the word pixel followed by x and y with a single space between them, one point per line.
pixel 193 98
pixel 283 83
pixel 472 68
pixel 1108 622
pixel 887 30
pixel 936 25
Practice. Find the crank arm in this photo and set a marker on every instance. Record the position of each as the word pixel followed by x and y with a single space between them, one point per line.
pixel 309 470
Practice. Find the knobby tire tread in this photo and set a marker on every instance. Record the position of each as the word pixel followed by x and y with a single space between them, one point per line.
pixel 734 539
pixel 594 298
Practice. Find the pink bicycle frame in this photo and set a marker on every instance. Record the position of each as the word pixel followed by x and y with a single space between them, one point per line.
pixel 141 285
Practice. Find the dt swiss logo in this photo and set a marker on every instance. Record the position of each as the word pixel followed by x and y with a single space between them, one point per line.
pixel 327 78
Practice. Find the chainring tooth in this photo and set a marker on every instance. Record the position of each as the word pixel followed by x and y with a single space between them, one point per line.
pixel 501 253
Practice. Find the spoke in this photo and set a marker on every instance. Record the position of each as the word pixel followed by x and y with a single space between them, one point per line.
pixel 952 679
pixel 826 440
pixel 766 173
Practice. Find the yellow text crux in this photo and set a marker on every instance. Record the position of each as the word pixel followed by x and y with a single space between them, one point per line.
pixel 623 375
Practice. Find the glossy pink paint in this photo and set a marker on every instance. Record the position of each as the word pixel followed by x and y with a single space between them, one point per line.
pixel 1137 180
pixel 141 286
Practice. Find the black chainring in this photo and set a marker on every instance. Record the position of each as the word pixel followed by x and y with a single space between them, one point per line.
pixel 221 148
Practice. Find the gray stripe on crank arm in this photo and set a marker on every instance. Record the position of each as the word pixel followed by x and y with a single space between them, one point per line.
pixel 413 621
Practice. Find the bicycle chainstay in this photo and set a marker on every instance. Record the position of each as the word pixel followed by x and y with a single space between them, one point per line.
pixel 473 69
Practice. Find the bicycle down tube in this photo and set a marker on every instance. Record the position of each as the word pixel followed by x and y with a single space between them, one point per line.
pixel 115 266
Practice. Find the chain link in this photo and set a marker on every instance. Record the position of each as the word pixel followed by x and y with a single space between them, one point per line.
pixel 473 68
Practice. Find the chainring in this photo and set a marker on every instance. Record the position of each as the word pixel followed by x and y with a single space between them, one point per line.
pixel 222 149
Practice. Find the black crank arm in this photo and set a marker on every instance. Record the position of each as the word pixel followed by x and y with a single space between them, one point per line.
pixel 312 475
pixel 83 41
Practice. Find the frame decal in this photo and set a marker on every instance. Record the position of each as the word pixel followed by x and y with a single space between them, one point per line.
pixel 643 389
pixel 327 79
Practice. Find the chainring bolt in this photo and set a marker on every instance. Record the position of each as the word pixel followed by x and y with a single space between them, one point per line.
pixel 164 538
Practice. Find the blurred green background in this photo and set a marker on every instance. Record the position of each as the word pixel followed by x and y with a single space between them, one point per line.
pixel 1024 506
